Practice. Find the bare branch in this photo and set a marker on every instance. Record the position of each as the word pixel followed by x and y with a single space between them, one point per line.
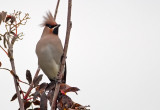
pixel 61 74
pixel 21 104
pixel 5 69
pixel 56 10
pixel 21 21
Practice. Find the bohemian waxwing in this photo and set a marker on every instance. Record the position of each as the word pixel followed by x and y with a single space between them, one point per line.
pixel 49 49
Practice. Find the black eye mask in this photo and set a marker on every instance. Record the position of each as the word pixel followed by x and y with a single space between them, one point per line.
pixel 50 26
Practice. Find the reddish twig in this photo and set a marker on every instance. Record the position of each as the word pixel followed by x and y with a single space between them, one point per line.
pixel 4 50
pixel 22 82
pixel 61 74
pixel 29 99
pixel 31 86
pixel 21 91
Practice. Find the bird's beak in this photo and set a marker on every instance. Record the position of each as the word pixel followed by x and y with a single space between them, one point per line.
pixel 58 25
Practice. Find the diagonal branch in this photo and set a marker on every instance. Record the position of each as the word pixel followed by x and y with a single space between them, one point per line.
pixel 21 104
pixel 61 74
pixel 10 55
pixel 56 10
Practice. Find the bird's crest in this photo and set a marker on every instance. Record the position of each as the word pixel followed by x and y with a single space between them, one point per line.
pixel 48 19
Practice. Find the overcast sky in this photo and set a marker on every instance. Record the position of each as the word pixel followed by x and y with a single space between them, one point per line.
pixel 113 55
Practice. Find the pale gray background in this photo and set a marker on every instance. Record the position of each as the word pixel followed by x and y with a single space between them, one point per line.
pixel 113 56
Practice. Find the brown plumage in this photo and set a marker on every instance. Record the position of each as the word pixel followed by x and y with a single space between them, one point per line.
pixel 49 48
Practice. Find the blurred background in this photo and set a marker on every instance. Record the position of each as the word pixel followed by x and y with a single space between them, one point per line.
pixel 113 55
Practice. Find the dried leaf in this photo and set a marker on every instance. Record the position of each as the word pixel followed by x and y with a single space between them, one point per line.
pixel 37 102
pixel 36 94
pixel 50 96
pixel 13 19
pixel 79 107
pixel 50 86
pixel 27 105
pixel 37 80
pixel 4 15
pixel 43 86
pixel 29 76
pixel 72 89
pixel 43 102
pixel 66 88
pixel 8 18
pixel 65 102
pixel 14 97
pixel 76 105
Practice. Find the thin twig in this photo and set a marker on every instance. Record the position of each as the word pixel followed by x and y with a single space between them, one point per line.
pixel 31 86
pixel 12 73
pixel 10 50
pixel 56 10
pixel 4 50
pixel 23 82
pixel 5 69
pixel 61 74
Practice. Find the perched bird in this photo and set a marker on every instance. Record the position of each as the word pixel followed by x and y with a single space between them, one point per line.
pixel 49 49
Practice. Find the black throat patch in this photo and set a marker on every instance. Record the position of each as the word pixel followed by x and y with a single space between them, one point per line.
pixel 55 30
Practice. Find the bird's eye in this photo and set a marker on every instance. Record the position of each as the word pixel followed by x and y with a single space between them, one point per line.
pixel 50 26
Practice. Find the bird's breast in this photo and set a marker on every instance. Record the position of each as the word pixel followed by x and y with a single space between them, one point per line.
pixel 49 51
pixel 48 60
